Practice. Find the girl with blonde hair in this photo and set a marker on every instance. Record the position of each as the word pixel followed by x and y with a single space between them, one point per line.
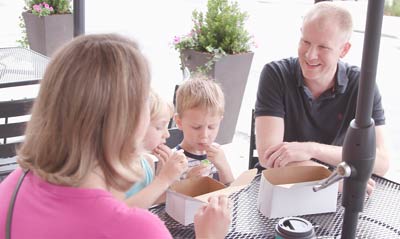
pixel 169 168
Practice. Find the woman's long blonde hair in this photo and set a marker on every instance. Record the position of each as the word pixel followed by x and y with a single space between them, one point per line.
pixel 87 112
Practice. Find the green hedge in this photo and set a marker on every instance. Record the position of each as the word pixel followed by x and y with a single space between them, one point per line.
pixel 394 9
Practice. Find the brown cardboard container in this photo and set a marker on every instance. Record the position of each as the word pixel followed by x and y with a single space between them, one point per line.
pixel 288 191
pixel 185 197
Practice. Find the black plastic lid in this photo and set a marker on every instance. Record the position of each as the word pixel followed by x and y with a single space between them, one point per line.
pixel 294 227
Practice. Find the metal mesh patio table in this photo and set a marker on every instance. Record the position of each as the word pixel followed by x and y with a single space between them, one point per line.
pixel 21 66
pixel 380 218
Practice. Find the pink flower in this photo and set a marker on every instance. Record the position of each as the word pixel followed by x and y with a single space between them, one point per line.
pixel 46 5
pixel 37 8
pixel 177 40
pixel 51 9
pixel 255 44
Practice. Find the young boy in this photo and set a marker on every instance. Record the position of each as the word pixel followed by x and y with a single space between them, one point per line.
pixel 199 111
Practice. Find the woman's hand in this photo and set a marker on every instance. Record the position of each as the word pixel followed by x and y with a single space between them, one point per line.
pixel 213 220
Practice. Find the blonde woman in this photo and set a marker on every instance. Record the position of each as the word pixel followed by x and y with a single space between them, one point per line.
pixel 81 149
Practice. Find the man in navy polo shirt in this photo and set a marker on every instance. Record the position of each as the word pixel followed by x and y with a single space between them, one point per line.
pixel 304 105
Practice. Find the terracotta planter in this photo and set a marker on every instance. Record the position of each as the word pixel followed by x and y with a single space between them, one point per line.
pixel 231 71
pixel 47 34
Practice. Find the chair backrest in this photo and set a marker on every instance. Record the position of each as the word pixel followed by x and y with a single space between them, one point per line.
pixel 253 154
pixel 172 123
pixel 253 157
pixel 13 118
pixel 175 138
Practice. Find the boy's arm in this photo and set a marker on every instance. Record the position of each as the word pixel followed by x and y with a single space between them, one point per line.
pixel 217 156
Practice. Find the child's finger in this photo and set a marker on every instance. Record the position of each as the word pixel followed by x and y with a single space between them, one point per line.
pixel 163 155
pixel 159 156
pixel 179 152
pixel 164 148
pixel 216 145
pixel 200 170
pixel 182 160
pixel 178 156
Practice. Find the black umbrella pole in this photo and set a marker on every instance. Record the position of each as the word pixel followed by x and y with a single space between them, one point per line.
pixel 349 220
pixel 359 147
pixel 358 152
pixel 79 17
pixel 369 64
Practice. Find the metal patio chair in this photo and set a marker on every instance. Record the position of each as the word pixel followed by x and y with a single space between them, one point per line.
pixel 14 115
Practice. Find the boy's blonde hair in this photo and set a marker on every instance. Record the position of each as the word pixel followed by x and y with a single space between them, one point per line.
pixel 158 105
pixel 87 113
pixel 200 92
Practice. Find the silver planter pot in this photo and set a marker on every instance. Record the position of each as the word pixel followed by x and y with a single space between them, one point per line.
pixel 46 34
pixel 231 72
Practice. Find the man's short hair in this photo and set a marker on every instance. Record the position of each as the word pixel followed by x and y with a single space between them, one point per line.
pixel 332 13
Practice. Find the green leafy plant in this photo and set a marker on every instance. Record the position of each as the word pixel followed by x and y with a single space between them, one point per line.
pixel 392 8
pixel 49 7
pixel 23 42
pixel 220 31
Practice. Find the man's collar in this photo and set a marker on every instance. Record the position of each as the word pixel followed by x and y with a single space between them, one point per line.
pixel 299 75
pixel 341 79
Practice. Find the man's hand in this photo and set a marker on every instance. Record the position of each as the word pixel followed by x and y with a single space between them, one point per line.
pixel 285 153
pixel 370 186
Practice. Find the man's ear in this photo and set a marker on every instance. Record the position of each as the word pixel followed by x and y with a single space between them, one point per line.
pixel 345 49
pixel 178 121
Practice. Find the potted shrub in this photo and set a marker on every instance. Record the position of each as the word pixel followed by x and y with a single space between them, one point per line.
pixel 219 46
pixel 49 24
